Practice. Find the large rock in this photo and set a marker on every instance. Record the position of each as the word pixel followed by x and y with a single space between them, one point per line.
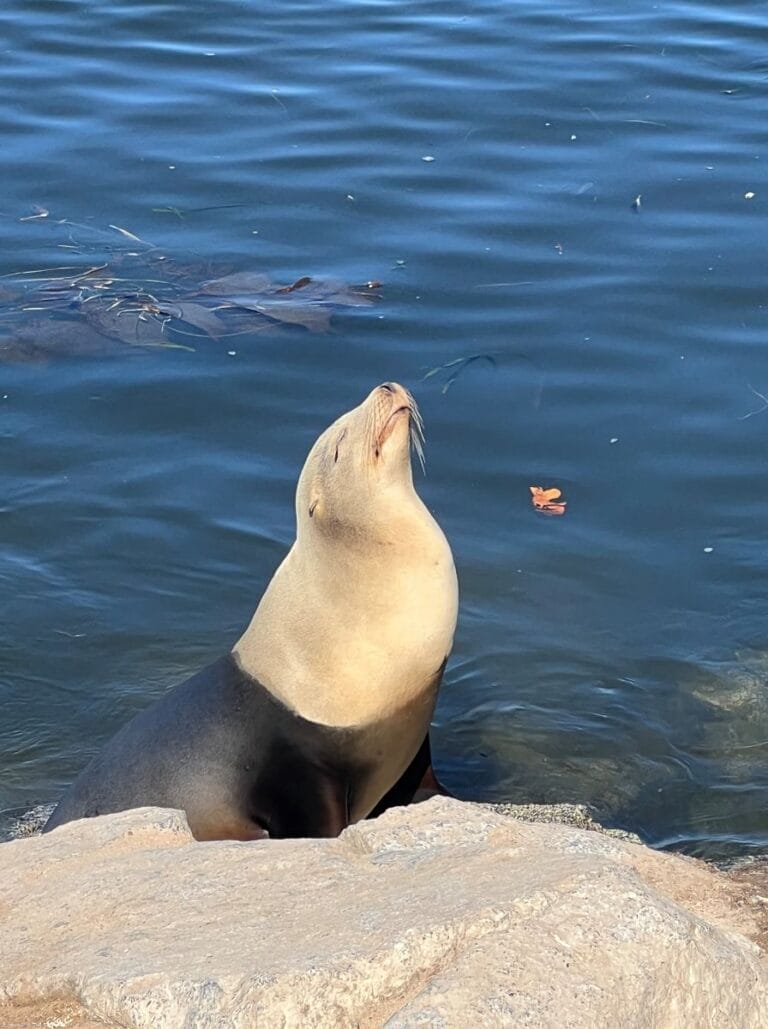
pixel 441 914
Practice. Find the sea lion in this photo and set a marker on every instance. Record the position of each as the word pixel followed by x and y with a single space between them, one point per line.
pixel 319 715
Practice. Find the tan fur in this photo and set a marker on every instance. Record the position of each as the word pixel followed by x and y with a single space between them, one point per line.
pixel 361 613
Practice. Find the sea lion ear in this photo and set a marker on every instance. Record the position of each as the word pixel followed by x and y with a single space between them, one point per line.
pixel 314 496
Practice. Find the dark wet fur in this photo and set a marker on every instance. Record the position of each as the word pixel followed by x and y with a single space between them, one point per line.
pixel 237 761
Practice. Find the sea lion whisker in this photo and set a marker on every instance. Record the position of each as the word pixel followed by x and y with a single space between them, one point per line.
pixel 417 443
pixel 370 441
pixel 416 431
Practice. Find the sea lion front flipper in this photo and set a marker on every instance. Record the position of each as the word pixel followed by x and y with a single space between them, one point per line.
pixel 418 782
pixel 430 786
pixel 298 798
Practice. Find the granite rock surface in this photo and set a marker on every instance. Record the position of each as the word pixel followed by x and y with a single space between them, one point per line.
pixel 442 914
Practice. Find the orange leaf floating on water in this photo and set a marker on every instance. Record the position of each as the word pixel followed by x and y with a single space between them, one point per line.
pixel 543 500
pixel 541 497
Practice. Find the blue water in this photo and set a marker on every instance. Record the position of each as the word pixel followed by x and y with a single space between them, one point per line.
pixel 617 655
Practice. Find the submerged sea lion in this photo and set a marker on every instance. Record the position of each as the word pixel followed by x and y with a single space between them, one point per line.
pixel 320 714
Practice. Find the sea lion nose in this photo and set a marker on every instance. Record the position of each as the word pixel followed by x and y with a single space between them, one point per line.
pixel 394 389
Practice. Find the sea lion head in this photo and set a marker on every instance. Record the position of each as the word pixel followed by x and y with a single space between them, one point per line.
pixel 358 473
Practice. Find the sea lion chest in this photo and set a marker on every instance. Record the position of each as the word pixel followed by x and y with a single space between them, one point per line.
pixel 296 774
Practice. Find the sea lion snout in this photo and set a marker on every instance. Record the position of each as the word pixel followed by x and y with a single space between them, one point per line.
pixel 388 414
pixel 393 405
